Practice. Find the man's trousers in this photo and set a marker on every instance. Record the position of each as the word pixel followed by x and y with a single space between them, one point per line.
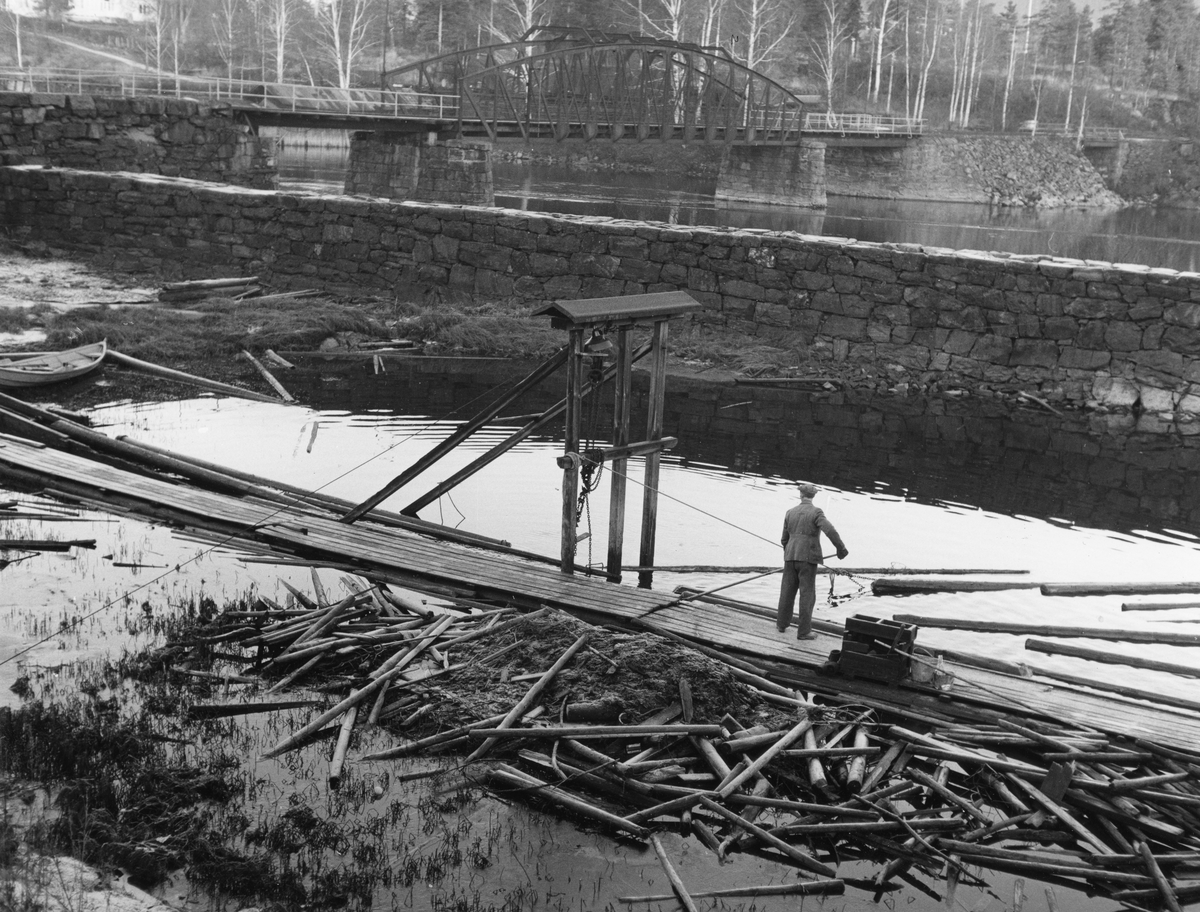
pixel 799 578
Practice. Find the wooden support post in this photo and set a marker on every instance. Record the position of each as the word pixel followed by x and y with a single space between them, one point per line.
pixel 621 410
pixel 570 459
pixel 654 429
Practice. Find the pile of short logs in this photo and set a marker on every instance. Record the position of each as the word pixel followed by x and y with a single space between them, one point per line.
pixel 820 783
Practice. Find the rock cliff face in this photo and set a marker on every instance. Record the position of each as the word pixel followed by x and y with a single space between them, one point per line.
pixel 1001 170
pixel 1165 172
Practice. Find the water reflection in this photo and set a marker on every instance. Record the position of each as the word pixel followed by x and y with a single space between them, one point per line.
pixel 1098 471
pixel 909 484
pixel 1157 237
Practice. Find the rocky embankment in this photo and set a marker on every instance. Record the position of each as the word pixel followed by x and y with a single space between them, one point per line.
pixel 1001 170
pixel 1162 172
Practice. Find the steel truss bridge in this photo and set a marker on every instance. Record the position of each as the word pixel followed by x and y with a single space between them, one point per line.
pixel 559 83
pixel 566 83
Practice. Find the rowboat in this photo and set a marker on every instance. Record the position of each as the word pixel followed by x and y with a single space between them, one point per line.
pixel 40 368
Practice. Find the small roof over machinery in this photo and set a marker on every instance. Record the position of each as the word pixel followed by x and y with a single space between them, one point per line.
pixel 659 305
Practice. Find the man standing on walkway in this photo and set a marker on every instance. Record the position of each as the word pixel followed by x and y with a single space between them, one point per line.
pixel 802 528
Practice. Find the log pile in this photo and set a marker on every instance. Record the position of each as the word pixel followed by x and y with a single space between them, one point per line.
pixel 636 734
pixel 200 289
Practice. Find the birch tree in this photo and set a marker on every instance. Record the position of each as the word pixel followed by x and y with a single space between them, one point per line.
pixel 279 17
pixel 883 26
pixel 763 25
pixel 226 33
pixel 1010 25
pixel 826 45
pixel 661 18
pixel 342 26
pixel 517 18
pixel 12 22
pixel 931 30
pixel 710 22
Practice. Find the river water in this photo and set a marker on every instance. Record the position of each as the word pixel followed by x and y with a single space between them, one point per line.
pixel 909 483
pixel 1168 238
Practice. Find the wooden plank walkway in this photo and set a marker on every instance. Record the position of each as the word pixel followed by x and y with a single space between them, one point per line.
pixel 318 537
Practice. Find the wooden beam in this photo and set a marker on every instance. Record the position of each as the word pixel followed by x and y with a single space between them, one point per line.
pixel 654 429
pixel 622 407
pixel 641 448
pixel 540 373
pixel 505 445
pixel 570 460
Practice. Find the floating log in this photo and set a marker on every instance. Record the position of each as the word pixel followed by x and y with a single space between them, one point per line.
pixel 268 376
pixel 1164 887
pixel 800 888
pixel 1111 658
pixel 821 568
pixel 1041 862
pixel 275 359
pixel 1092 633
pixel 514 777
pixel 1065 816
pixel 1132 692
pixel 343 742
pixel 805 861
pixel 181 377
pixel 1120 588
pixel 890 586
pixel 827 753
pixel 764 758
pixel 223 710
pixel 935 786
pixel 598 731
pixel 858 765
pixel 677 884
pixel 42 544
pixel 1157 606
pixel 856 827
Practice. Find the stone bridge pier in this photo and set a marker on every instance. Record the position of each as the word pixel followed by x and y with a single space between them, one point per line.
pixel 419 166
pixel 789 175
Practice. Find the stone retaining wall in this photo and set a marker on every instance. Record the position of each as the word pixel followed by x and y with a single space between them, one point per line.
pixel 1066 330
pixel 791 175
pixel 170 136
pixel 408 166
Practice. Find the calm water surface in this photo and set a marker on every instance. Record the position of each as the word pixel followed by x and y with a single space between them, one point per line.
pixel 724 490
pixel 1168 238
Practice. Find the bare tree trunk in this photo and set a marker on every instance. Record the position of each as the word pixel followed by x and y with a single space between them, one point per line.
pixel 1071 88
pixel 891 78
pixel 973 79
pixel 1008 79
pixel 879 48
pixel 907 70
pixel 923 85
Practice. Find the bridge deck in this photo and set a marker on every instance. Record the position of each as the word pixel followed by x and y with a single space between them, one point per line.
pixel 414 559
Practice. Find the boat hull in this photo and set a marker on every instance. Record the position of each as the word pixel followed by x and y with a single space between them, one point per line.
pixel 23 371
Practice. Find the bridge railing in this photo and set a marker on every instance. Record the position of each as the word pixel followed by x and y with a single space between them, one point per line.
pixel 863 124
pixel 274 96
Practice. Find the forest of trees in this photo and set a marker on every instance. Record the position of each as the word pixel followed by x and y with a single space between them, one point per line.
pixel 958 63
